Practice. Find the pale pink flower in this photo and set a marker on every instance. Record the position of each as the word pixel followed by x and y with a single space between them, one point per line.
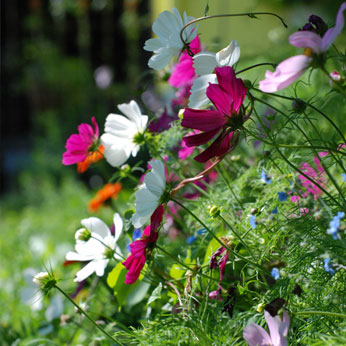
pixel 255 335
pixel 292 68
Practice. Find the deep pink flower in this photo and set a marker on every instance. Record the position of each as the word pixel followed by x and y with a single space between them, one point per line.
pixel 184 72
pixel 292 68
pixel 255 335
pixel 140 248
pixel 228 97
pixel 78 146
pixel 221 262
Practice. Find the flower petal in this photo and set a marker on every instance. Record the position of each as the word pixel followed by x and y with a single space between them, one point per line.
pixel 118 225
pixel 204 120
pixel 95 225
pixel 304 39
pixel 204 63
pixel 85 272
pixel 201 138
pixel 229 55
pixel 255 335
pixel 198 97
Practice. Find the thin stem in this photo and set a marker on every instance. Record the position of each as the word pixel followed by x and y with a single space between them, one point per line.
pixel 87 316
pixel 248 14
pixel 257 65
pixel 327 313
pixel 217 239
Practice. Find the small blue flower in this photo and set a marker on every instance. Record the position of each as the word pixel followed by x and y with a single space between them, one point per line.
pixel 265 178
pixel 335 224
pixel 326 266
pixel 201 231
pixel 275 211
pixel 137 233
pixel 191 239
pixel 343 176
pixel 275 273
pixel 282 196
pixel 252 221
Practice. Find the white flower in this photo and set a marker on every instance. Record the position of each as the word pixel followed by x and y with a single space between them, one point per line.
pixel 120 139
pixel 204 64
pixel 40 279
pixel 148 196
pixel 98 249
pixel 167 27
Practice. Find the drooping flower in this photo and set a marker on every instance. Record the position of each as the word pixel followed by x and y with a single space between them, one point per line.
pixel 183 72
pixel 141 249
pixel 255 335
pixel 335 224
pixel 82 146
pixel 204 64
pixel 108 191
pixel 168 44
pixel 292 68
pixel 149 196
pixel 218 259
pixel 123 134
pixel 96 245
pixel 228 97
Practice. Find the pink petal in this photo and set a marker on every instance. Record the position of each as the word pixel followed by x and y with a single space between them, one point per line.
pixel 96 127
pixel 204 120
pixel 273 325
pixel 304 39
pixel 330 36
pixel 255 335
pixel 138 247
pixel 220 146
pixel 223 266
pixel 134 266
pixel 285 323
pixel 155 221
pixel 220 98
pixel 285 74
pixel 201 138
pixel 185 151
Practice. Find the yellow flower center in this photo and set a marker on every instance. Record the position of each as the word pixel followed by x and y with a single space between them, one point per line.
pixel 308 51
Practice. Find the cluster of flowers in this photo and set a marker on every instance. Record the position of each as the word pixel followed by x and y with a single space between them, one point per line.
pixel 216 112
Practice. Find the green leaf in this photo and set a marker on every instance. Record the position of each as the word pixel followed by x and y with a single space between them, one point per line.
pixel 137 294
pixel 156 294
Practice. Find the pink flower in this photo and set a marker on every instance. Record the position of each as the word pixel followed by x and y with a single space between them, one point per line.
pixel 292 68
pixel 255 335
pixel 227 96
pixel 78 146
pixel 183 72
pixel 140 248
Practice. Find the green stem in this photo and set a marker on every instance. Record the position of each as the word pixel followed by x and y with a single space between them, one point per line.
pixel 327 313
pixel 256 65
pixel 87 316
pixel 217 239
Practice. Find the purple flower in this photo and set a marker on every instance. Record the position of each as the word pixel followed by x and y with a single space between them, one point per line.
pixel 292 68
pixel 255 335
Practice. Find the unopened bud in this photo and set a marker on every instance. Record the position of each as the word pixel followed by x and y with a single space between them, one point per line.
pixel 44 280
pixel 214 211
pixel 181 114
pixel 298 105
pixel 260 308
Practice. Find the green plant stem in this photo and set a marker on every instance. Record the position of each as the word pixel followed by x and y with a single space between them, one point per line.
pixel 217 239
pixel 327 313
pixel 256 65
pixel 87 316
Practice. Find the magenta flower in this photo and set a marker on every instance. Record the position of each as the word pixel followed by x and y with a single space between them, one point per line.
pixel 292 68
pixel 227 96
pixel 184 72
pixel 78 146
pixel 255 335
pixel 140 249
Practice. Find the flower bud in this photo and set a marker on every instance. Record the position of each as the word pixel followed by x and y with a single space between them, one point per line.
pixel 83 234
pixel 181 114
pixel 44 281
pixel 298 105
pixel 214 211
pixel 260 308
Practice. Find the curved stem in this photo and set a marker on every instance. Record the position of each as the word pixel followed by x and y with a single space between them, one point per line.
pixel 256 65
pixel 248 14
pixel 87 316
pixel 327 313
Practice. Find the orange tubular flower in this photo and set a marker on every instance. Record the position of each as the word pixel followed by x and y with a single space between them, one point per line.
pixel 108 191
pixel 92 157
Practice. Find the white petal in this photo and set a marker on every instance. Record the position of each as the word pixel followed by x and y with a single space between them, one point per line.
pixel 138 221
pixel 118 253
pixel 198 97
pixel 118 224
pixel 204 63
pixel 132 111
pixel 95 225
pixel 155 180
pixel 229 55
pixel 146 202
pixel 85 272
pixel 114 155
pixel 119 126
pixel 162 57
pixel 153 44
pixel 100 266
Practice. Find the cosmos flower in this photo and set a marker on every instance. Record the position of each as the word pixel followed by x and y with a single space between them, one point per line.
pixel 227 96
pixel 148 196
pixel 123 134
pixel 96 245
pixel 204 65
pixel 255 335
pixel 141 249
pixel 110 190
pixel 168 44
pixel 292 68
pixel 81 146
